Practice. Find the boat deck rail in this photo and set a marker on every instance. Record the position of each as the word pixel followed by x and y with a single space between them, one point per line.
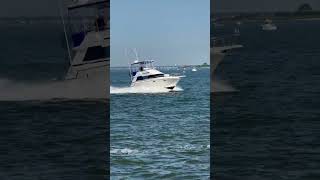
pixel 222 41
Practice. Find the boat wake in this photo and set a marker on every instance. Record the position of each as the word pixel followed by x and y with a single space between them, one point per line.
pixel 50 90
pixel 142 90
pixel 222 86
pixel 124 151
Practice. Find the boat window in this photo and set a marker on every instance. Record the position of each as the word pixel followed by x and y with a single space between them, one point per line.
pixel 155 76
pixel 77 38
pixel 97 52
pixel 139 78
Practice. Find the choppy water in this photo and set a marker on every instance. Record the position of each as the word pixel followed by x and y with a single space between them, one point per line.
pixel 269 128
pixel 161 135
pixel 42 137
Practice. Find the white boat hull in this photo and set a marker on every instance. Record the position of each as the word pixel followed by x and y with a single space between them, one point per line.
pixel 92 80
pixel 85 89
pixel 89 71
pixel 169 82
pixel 269 28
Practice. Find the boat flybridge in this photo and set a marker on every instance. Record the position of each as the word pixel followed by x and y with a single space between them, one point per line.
pixel 269 26
pixel 144 74
pixel 89 49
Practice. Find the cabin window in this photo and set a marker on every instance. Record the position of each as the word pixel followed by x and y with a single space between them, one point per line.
pixel 155 76
pixel 139 78
pixel 97 52
pixel 77 38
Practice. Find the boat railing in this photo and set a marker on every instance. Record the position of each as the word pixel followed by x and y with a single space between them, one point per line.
pixel 222 41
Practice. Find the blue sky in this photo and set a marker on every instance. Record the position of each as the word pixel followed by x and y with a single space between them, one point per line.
pixel 169 31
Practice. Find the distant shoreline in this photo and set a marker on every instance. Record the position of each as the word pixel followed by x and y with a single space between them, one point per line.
pixel 126 67
pixel 309 19
pixel 261 16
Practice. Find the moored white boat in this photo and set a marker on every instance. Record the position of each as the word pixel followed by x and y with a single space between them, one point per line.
pixel 269 26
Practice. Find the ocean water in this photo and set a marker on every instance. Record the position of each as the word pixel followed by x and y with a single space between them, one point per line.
pixel 43 137
pixel 160 135
pixel 269 127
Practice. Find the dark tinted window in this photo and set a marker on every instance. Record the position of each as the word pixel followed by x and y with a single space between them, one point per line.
pixel 77 38
pixel 97 52
pixel 149 77
pixel 139 78
pixel 155 76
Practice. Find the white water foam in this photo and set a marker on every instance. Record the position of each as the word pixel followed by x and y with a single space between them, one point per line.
pixel 222 86
pixel 141 90
pixel 33 91
pixel 188 147
pixel 124 151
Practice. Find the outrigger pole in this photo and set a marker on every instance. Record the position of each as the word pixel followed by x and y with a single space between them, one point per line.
pixel 130 72
pixel 65 32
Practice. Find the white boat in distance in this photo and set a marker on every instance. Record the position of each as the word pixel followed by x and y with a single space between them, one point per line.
pixel 269 26
pixel 144 74
pixel 194 69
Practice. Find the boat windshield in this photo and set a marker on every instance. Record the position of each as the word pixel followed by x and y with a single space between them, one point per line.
pixel 140 66
pixel 85 18
pixel 140 78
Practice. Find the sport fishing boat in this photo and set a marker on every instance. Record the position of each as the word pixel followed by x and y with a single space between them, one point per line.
pixel 269 26
pixel 87 36
pixel 144 74
pixel 220 47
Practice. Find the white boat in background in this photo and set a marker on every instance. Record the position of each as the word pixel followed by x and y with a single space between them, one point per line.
pixel 184 70
pixel 144 74
pixel 194 69
pixel 88 41
pixel 269 26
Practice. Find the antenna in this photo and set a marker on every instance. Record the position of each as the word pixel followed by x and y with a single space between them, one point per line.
pixel 136 53
pixel 130 71
pixel 65 32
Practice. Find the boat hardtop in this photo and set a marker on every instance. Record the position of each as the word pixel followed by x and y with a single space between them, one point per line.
pixel 143 73
pixel 88 49
pixel 142 69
